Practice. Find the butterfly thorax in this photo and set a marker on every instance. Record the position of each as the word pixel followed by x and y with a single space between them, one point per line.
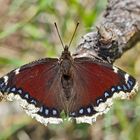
pixel 66 72
pixel 66 62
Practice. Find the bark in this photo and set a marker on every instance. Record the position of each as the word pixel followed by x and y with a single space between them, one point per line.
pixel 118 31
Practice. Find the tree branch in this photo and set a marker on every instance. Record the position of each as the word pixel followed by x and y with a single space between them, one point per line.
pixel 118 31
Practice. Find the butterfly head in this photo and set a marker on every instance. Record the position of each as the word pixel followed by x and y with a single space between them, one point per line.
pixel 66 53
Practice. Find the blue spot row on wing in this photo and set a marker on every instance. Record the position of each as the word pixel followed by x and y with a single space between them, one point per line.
pixel 48 112
pixel 125 88
pixel 44 111
pixel 5 89
pixel 2 85
pixel 83 111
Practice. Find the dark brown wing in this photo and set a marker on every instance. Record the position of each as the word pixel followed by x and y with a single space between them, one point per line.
pixel 36 85
pixel 95 85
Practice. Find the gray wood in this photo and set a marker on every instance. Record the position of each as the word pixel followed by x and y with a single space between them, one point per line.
pixel 118 31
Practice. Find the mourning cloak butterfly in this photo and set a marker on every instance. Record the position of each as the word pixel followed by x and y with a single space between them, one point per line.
pixel 82 87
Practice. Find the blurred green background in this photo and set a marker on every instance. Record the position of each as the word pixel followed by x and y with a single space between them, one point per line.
pixel 27 33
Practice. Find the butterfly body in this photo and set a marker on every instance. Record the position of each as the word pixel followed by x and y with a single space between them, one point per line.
pixel 66 72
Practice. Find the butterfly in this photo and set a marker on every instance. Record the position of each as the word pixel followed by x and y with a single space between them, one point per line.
pixel 81 87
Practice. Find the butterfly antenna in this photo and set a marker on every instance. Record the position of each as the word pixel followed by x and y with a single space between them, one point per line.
pixel 74 33
pixel 59 35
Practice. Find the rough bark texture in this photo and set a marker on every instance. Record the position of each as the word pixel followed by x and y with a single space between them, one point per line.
pixel 118 31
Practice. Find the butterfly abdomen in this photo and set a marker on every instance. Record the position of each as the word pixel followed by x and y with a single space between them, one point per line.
pixel 67 84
